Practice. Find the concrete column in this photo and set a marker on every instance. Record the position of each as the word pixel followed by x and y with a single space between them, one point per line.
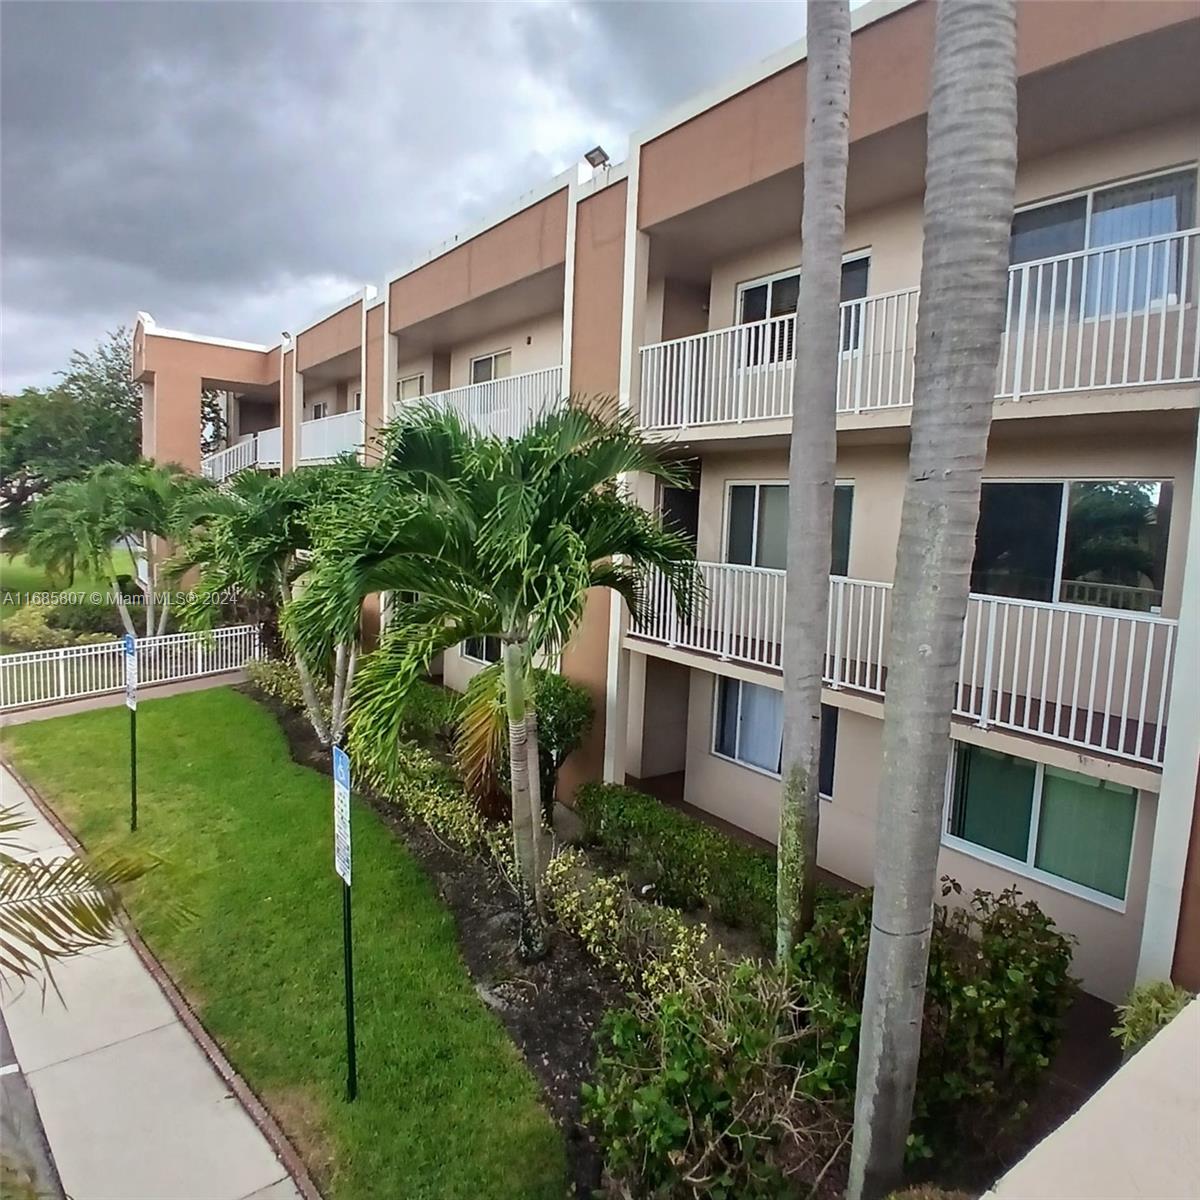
pixel 288 411
pixel 1177 803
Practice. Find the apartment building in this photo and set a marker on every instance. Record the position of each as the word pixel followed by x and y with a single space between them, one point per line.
pixel 669 281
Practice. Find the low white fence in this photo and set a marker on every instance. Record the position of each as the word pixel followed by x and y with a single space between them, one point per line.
pixel 74 672
pixel 1095 678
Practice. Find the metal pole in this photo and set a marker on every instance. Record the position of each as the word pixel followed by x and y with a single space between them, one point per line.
pixel 133 770
pixel 351 1064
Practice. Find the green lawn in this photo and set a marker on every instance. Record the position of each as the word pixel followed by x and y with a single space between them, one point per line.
pixel 17 576
pixel 446 1107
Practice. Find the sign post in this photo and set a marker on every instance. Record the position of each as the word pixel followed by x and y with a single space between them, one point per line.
pixel 131 683
pixel 341 864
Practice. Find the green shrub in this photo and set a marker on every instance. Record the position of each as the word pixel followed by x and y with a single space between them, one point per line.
pixel 564 715
pixel 87 618
pixel 279 679
pixel 430 716
pixel 1149 1007
pixel 691 863
pixel 646 946
pixel 29 628
pixel 714 1090
pixel 998 988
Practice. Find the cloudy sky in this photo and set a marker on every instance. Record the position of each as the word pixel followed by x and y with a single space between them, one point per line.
pixel 234 167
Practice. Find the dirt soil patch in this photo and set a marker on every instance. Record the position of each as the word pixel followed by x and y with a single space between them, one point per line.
pixel 551 1009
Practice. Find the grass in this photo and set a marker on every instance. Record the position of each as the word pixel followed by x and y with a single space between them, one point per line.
pixel 446 1107
pixel 18 577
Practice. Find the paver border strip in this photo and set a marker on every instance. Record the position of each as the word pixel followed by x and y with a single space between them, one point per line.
pixel 257 1111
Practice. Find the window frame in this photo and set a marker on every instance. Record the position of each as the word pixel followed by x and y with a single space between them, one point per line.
pixel 1026 867
pixel 758 484
pixel 493 355
pixel 786 273
pixel 417 375
pixel 356 399
pixel 487 662
pixel 323 405
pixel 718 681
pixel 1089 195
pixel 1064 483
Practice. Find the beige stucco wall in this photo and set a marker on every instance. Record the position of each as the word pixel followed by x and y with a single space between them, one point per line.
pixel 892 235
pixel 535 343
pixel 458 670
pixel 1106 956
pixel 1153 446
pixel 335 395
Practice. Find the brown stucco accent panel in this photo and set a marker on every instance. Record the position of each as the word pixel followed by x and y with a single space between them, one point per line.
pixel 759 132
pixel 1186 971
pixel 525 244
pixel 595 371
pixel 330 337
pixel 175 425
pixel 599 278
pixel 231 365
pixel 374 402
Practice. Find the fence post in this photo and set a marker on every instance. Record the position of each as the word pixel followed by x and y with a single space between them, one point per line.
pixel 199 655
pixel 62 672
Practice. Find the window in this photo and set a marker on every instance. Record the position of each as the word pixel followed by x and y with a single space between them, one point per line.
pixel 320 409
pixel 410 389
pixel 1102 543
pixel 756 529
pixel 356 396
pixel 1110 216
pixel 777 295
pixel 1066 826
pixel 748 728
pixel 491 366
pixel 482 649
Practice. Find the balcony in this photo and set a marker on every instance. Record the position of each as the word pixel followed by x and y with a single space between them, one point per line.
pixel 326 438
pixel 504 408
pixel 1115 317
pixel 1092 678
pixel 262 449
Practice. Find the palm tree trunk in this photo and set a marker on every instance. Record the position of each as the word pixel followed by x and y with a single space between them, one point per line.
pixel 541 842
pixel 341 706
pixel 148 591
pixel 312 703
pixel 970 168
pixel 531 938
pixel 813 462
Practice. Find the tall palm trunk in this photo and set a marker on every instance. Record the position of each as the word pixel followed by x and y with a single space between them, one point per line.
pixel 970 168
pixel 813 461
pixel 531 938
pixel 312 702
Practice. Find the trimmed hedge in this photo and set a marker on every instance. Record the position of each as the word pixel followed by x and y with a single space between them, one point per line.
pixel 692 864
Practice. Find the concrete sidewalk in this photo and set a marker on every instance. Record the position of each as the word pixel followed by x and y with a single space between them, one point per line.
pixel 131 1106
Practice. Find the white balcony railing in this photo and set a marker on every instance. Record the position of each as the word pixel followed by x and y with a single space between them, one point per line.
pixel 269 451
pixel 262 449
pixel 504 407
pixel 1116 317
pixel 323 439
pixel 1093 678
pixel 222 464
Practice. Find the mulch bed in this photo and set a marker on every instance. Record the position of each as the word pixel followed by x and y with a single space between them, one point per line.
pixel 551 1009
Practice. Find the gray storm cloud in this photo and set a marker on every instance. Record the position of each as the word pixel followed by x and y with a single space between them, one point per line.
pixel 234 167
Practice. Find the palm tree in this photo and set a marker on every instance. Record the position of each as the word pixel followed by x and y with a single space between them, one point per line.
pixel 81 522
pixel 498 538
pixel 253 538
pixel 51 909
pixel 812 463
pixel 969 174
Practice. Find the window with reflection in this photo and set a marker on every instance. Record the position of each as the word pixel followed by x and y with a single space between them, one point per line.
pixel 757 524
pixel 1101 543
